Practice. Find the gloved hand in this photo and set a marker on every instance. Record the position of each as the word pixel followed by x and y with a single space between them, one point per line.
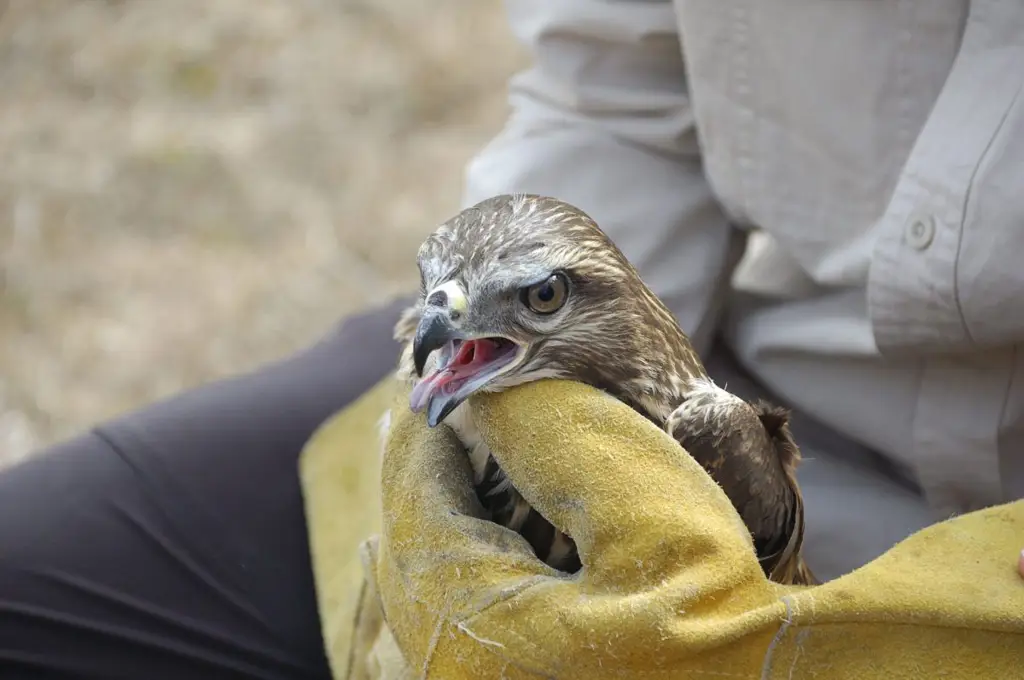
pixel 670 586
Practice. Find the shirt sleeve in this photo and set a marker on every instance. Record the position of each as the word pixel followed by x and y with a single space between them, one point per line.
pixel 602 119
pixel 947 273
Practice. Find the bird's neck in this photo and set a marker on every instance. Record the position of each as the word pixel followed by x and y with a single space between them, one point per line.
pixel 670 370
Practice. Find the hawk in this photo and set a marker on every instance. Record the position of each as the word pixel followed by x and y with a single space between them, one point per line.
pixel 522 287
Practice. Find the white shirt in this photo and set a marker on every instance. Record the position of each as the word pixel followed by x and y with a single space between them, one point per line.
pixel 875 150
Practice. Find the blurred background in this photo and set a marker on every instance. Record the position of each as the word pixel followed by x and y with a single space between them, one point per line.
pixel 191 188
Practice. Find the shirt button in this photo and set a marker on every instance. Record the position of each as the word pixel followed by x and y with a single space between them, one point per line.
pixel 920 232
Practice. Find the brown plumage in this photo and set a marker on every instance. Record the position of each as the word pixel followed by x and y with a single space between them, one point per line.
pixel 522 287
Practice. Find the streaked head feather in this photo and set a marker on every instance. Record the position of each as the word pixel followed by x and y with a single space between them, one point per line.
pixel 613 332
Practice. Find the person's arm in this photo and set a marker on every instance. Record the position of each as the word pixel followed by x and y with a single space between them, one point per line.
pixel 947 274
pixel 602 119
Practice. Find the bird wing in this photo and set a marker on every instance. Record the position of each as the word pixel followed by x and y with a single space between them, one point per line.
pixel 749 451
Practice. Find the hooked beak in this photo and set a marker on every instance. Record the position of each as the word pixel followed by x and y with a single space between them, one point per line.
pixel 435 331
pixel 465 365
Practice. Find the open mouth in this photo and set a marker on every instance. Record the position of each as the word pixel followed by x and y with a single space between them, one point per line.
pixel 464 366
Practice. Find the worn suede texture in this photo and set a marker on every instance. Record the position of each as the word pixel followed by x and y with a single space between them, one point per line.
pixel 670 586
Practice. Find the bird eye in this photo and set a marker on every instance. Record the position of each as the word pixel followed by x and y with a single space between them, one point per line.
pixel 548 296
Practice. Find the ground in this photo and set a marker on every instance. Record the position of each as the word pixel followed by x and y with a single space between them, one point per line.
pixel 191 188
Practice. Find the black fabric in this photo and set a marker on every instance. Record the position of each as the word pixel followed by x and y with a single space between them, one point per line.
pixel 171 542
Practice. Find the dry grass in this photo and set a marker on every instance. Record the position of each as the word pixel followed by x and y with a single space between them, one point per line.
pixel 191 188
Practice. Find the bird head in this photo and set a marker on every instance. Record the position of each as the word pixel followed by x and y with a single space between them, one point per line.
pixel 522 287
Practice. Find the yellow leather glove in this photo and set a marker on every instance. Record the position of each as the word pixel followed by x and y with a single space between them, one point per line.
pixel 670 586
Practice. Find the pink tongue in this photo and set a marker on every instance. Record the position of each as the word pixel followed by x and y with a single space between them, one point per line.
pixel 471 357
pixel 429 386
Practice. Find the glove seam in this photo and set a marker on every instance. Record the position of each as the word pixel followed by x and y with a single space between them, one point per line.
pixel 458 622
